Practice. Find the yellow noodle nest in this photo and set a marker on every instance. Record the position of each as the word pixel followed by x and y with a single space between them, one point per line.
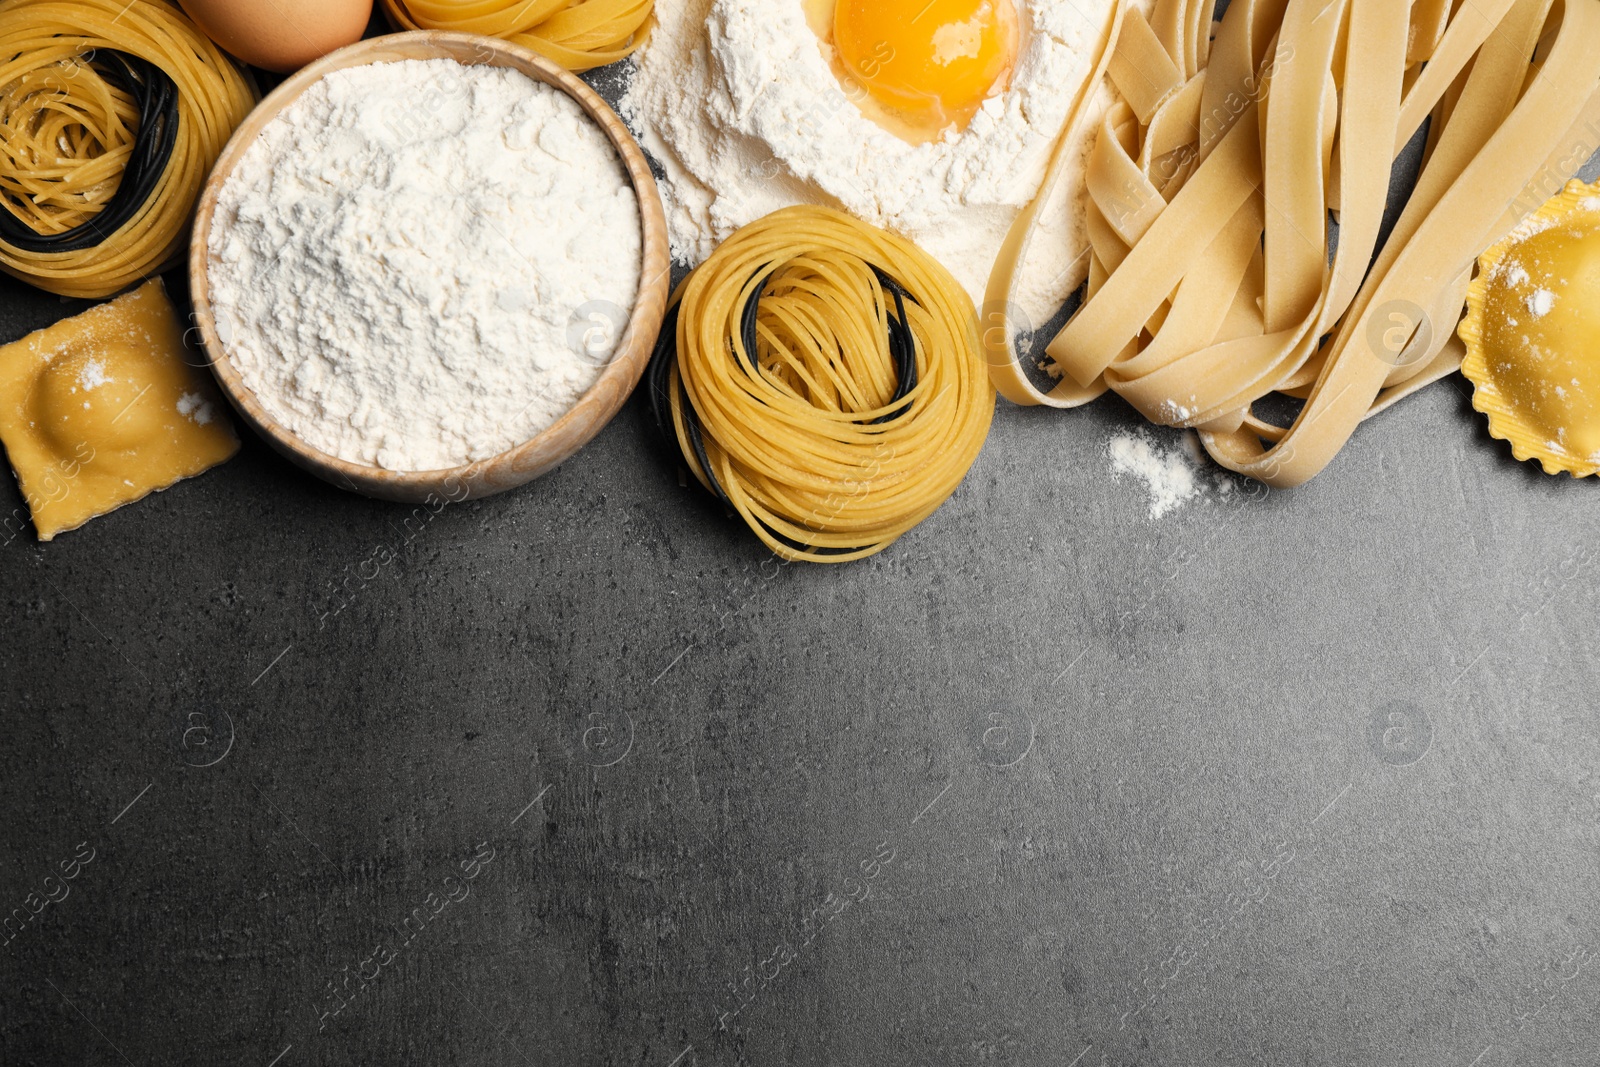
pixel 813 450
pixel 1532 333
pixel 66 133
pixel 577 34
pixel 1211 181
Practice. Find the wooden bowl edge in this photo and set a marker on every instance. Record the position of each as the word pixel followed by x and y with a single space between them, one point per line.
pixel 598 405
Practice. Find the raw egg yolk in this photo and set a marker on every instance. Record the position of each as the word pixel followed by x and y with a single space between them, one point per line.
pixel 935 61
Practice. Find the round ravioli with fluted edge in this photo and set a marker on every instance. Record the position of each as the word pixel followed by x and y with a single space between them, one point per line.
pixel 1532 333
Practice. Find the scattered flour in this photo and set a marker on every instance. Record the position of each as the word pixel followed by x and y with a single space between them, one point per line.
pixel 93 375
pixel 738 102
pixel 1517 275
pixel 196 408
pixel 405 265
pixel 1540 303
pixel 1172 476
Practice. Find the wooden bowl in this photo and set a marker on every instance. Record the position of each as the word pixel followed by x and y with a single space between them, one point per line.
pixel 573 430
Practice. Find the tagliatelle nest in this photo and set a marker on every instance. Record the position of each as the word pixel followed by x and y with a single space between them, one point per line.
pixel 112 114
pixel 1213 282
pixel 577 34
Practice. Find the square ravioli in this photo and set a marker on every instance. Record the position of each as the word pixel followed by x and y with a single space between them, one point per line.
pixel 103 409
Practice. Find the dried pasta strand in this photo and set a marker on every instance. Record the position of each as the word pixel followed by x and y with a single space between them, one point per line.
pixel 68 132
pixel 1209 281
pixel 577 34
pixel 863 402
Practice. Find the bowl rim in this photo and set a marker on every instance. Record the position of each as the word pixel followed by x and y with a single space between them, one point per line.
pixel 598 404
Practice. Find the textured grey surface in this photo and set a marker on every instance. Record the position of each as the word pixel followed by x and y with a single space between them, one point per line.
pixel 1287 778
pixel 1127 770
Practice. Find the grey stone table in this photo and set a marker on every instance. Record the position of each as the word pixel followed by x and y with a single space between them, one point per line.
pixel 583 776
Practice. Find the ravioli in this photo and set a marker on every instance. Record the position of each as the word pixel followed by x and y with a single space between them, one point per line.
pixel 1533 335
pixel 102 409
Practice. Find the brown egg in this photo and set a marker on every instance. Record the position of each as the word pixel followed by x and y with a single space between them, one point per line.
pixel 281 35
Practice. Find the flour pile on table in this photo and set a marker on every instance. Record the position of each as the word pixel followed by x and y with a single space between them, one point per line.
pixel 1173 477
pixel 739 103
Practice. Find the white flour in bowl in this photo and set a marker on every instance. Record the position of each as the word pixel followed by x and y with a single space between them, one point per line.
pixel 422 264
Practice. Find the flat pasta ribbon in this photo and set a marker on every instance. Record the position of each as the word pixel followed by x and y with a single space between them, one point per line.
pixel 1214 180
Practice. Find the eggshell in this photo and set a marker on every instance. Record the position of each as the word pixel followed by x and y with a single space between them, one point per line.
pixel 281 35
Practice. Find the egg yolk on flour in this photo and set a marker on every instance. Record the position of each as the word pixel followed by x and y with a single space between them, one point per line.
pixel 929 63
